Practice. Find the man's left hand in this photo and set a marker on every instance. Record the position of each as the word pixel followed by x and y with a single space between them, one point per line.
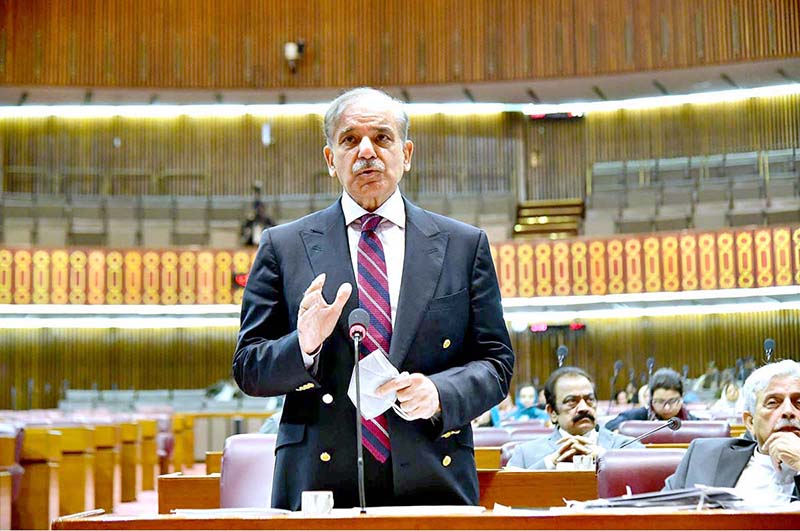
pixel 784 447
pixel 418 397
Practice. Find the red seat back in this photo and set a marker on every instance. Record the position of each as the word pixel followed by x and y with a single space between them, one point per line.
pixel 643 470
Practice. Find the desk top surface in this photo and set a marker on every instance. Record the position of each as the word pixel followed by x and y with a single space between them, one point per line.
pixel 629 519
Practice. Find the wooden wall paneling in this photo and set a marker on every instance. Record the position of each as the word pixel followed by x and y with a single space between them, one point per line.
pixel 238 44
pixel 674 341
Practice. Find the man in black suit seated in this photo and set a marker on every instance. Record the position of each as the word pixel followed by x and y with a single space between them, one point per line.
pixel 666 401
pixel 764 470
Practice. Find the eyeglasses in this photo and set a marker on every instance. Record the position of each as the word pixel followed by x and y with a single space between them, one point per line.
pixel 672 402
pixel 571 402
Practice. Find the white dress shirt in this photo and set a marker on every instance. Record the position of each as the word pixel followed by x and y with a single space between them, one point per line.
pixel 761 483
pixel 392 234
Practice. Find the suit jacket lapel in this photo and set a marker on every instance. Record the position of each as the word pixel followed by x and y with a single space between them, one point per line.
pixel 732 461
pixel 422 265
pixel 328 252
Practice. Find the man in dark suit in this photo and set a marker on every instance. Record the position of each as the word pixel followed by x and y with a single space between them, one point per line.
pixel 429 286
pixel 766 469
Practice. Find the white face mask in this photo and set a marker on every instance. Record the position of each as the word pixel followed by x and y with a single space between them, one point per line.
pixel 375 370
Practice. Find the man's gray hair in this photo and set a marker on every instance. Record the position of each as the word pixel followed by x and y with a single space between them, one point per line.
pixel 338 106
pixel 760 379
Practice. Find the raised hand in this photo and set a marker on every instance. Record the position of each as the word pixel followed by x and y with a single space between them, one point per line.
pixel 316 318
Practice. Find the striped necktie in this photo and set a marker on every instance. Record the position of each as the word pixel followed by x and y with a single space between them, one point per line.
pixel 373 296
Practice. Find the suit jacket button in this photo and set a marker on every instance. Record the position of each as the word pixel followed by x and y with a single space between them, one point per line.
pixel 446 343
pixel 327 398
pixel 324 457
pixel 446 461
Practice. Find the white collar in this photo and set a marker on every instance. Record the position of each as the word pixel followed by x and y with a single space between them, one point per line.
pixel 591 434
pixel 393 209
pixel 786 474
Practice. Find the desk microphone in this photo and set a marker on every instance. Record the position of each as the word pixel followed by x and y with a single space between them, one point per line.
pixel 769 349
pixel 561 354
pixel 617 367
pixel 674 424
pixel 358 322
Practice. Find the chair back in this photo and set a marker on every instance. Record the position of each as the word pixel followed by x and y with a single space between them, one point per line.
pixel 507 451
pixel 643 470
pixel 484 437
pixel 509 424
pixel 248 464
pixel 689 430
pixel 529 432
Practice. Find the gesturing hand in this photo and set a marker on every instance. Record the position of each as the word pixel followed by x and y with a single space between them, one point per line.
pixel 418 397
pixel 316 318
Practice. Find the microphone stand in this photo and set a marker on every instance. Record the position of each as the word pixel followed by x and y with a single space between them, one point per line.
pixel 359 446
pixel 668 424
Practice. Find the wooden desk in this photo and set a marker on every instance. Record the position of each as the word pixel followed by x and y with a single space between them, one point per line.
pixel 597 520
pixel 487 457
pixel 535 488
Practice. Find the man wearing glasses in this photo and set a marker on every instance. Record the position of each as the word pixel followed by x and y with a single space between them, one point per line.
pixel 666 392
pixel 571 401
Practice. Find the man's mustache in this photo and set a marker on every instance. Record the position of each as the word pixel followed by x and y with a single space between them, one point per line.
pixel 580 416
pixel 367 164
pixel 787 423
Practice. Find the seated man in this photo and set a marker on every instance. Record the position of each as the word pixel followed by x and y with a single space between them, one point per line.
pixel 766 469
pixel 571 402
pixel 666 401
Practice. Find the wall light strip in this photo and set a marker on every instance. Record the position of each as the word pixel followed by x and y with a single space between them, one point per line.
pixel 699 98
pixel 223 110
pixel 522 319
pixel 118 322
pixel 198 310
pixel 661 296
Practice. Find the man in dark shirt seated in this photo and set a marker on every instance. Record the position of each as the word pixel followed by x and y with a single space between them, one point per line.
pixel 571 402
pixel 666 401
pixel 764 468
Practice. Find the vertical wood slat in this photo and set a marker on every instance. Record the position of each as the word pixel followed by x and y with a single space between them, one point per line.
pixel 162 359
pixel 238 43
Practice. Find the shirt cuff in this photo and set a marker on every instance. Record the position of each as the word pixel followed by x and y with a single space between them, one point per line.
pixel 548 463
pixel 310 360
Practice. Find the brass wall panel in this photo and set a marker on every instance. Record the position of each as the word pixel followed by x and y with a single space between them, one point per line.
pixel 239 43
pixel 198 357
pixel 674 341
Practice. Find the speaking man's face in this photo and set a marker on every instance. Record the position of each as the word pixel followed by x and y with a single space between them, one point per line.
pixel 576 404
pixel 777 409
pixel 368 154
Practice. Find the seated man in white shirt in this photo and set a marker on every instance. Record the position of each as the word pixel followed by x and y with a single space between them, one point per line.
pixel 571 403
pixel 764 470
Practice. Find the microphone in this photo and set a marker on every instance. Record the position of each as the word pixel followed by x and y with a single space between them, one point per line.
pixel 769 349
pixel 674 424
pixel 617 367
pixel 358 322
pixel 561 353
pixel 651 363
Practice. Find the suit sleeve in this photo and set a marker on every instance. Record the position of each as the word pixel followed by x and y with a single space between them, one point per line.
pixel 468 390
pixel 678 479
pixel 267 361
